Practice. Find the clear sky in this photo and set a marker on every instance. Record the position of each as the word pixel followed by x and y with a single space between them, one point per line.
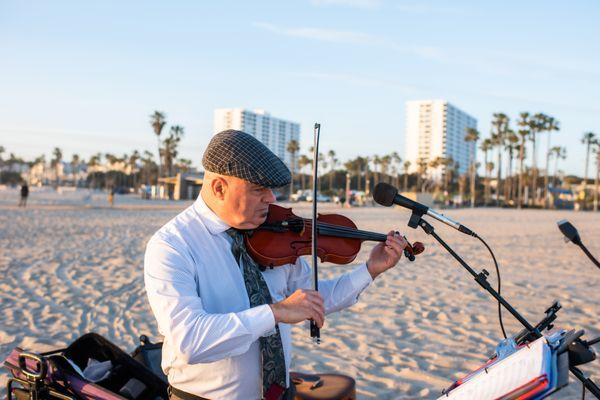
pixel 85 76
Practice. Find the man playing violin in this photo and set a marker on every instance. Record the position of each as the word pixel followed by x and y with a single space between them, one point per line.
pixel 226 321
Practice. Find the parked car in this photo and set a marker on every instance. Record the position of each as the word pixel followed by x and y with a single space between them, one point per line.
pixel 306 195
pixel 321 198
pixel 300 195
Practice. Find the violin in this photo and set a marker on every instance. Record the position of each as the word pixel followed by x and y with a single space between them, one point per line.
pixel 284 237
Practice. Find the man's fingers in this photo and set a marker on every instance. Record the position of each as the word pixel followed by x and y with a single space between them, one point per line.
pixel 313 305
pixel 396 237
pixel 396 244
pixel 393 253
pixel 313 313
pixel 318 305
pixel 315 298
pixel 317 316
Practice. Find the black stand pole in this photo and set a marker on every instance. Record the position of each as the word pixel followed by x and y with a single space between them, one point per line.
pixel 481 279
pixel 590 256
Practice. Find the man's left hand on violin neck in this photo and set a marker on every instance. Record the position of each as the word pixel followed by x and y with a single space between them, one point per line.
pixel 386 255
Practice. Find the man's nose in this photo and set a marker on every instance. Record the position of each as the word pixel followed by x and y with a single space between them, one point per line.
pixel 270 197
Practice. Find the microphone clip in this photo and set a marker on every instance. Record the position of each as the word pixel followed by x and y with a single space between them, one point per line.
pixel 415 219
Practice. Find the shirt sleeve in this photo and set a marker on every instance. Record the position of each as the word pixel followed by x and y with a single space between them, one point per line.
pixel 338 293
pixel 197 336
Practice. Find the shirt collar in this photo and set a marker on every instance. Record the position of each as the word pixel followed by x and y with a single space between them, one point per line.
pixel 212 221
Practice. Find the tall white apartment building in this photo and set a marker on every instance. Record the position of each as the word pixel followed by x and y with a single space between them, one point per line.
pixel 436 128
pixel 275 133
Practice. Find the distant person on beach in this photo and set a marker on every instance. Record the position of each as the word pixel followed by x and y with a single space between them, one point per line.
pixel 226 320
pixel 24 195
pixel 111 197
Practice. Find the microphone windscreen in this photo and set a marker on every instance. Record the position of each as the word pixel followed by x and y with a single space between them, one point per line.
pixel 384 194
pixel 569 231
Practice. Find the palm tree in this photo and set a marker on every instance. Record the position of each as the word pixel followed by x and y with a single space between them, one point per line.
pixel 560 153
pixel 157 120
pixel 183 164
pixel 92 163
pixel 133 159
pixel 588 139
pixel 311 150
pixel 537 124
pixel 450 168
pixel 170 144
pixel 323 165
pixel 75 167
pixel 333 162
pixel 489 167
pixel 148 166
pixel 361 165
pixel 385 165
pixel 500 129
pixel 350 167
pixel 524 132
pixel 472 136
pixel 597 180
pixel 55 162
pixel 406 167
pixel 486 146
pixel 396 162
pixel 434 165
pixel 376 163
pixel 421 171
pixel 512 146
pixel 2 150
pixel 293 147
pixel 40 160
pixel 303 161
pixel 462 183
pixel 112 160
pixel 550 125
pixel 365 162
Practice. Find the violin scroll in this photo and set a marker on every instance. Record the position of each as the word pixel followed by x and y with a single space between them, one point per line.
pixel 411 250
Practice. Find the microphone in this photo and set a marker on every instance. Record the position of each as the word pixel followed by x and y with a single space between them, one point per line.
pixel 570 232
pixel 571 235
pixel 386 195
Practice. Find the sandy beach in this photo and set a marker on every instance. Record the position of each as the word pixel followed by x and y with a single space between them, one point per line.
pixel 70 264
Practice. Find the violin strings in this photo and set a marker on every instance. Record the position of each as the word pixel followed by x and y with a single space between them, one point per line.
pixel 357 233
pixel 338 228
pixel 345 229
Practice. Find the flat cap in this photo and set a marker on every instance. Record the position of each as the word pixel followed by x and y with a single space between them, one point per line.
pixel 236 153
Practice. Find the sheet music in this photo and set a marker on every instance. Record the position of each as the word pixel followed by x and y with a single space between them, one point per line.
pixel 506 375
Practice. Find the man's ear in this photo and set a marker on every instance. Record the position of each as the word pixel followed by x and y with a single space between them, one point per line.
pixel 219 187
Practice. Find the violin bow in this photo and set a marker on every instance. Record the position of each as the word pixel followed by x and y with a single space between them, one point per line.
pixel 315 332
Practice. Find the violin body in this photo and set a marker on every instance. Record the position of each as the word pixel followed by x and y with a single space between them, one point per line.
pixel 284 237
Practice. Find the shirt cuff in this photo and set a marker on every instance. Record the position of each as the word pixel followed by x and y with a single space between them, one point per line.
pixel 360 277
pixel 261 320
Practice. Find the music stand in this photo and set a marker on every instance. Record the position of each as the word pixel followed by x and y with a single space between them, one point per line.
pixel 481 278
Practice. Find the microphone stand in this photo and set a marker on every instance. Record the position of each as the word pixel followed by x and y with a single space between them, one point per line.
pixel 481 278
pixel 587 253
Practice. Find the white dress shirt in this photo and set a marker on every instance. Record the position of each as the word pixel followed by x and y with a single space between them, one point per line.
pixel 197 294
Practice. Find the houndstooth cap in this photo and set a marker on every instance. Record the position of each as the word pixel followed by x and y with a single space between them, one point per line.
pixel 236 153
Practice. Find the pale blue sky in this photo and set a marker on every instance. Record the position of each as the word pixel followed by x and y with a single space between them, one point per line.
pixel 85 76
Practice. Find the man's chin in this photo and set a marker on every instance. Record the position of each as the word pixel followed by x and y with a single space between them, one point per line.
pixel 255 223
pixel 261 220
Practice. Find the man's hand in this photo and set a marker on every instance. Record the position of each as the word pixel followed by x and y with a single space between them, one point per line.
pixel 386 255
pixel 303 304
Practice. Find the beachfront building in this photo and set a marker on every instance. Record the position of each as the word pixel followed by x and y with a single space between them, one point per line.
pixel 436 128
pixel 275 133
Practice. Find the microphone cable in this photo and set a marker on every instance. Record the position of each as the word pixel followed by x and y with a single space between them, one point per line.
pixel 499 283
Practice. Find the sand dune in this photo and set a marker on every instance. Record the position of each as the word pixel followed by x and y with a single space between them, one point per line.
pixel 70 264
